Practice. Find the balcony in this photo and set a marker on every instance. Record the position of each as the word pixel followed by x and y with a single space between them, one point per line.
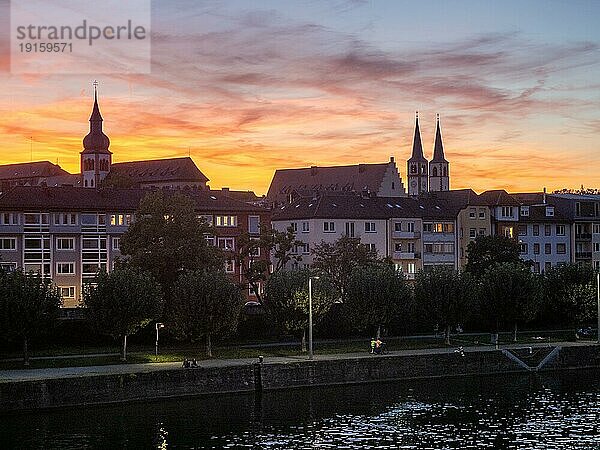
pixel 583 255
pixel 406 234
pixel 586 236
pixel 404 255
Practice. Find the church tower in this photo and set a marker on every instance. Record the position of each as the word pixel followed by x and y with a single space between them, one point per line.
pixel 95 157
pixel 439 168
pixel 417 167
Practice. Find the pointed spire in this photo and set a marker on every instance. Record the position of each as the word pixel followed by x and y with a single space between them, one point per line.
pixel 438 146
pixel 417 151
pixel 96 141
pixel 96 116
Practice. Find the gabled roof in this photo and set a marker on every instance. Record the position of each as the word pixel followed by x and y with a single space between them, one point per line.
pixel 30 170
pixel 66 198
pixel 458 197
pixel 160 170
pixel 353 178
pixel 498 197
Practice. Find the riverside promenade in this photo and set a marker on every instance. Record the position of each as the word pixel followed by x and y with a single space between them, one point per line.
pixel 62 387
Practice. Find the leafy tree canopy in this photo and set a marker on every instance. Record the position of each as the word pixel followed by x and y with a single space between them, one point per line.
pixel 377 295
pixel 29 305
pixel 205 303
pixel 123 301
pixel 167 238
pixel 485 251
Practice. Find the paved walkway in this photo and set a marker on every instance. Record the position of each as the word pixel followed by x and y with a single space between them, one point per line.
pixel 7 376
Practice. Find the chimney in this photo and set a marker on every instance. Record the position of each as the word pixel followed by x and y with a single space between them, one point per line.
pixel 544 201
pixel 225 189
pixel 392 160
pixel 313 170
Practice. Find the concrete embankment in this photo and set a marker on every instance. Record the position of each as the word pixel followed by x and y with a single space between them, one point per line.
pixel 80 387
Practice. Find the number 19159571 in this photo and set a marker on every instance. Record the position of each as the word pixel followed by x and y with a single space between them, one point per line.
pixel 46 47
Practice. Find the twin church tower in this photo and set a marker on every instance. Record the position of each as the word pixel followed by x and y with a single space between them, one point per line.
pixel 427 176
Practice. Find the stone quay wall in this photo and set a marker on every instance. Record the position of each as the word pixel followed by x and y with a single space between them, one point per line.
pixel 254 376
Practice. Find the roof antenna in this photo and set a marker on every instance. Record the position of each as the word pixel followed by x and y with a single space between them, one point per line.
pixel 30 148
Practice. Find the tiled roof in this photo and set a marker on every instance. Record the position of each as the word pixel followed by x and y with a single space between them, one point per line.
pixel 319 179
pixel 160 170
pixel 330 206
pixel 498 197
pixel 65 198
pixel 458 197
pixel 30 170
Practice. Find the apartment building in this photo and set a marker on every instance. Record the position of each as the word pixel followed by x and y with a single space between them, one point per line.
pixel 69 233
pixel 544 232
pixel 414 233
pixel 583 212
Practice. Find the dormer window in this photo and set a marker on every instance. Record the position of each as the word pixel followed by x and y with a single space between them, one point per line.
pixel 525 211
pixel 549 211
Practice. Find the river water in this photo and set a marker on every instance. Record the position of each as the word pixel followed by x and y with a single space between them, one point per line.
pixel 558 411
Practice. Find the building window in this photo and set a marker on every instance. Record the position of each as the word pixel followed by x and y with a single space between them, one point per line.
pixel 226 221
pixel 525 211
pixel 294 226
pixel 561 249
pixel 397 226
pixel 523 248
pixel 536 249
pixel 120 219
pixel 536 230
pixel 65 268
pixel 350 229
pixel 472 233
pixel 427 227
pixel 116 243
pixel 8 243
pixel 481 213
pixel 329 227
pixel 9 219
pixel 371 248
pixel 548 249
pixel 597 228
pixel 536 267
pixel 65 243
pixel 472 213
pixel 305 249
pixel 507 211
pixel 230 266
pixel 482 232
pixel 428 248
pixel 65 219
pixel 226 243
pixel 547 266
pixel 560 230
pixel 547 230
pixel 597 246
pixel 411 268
pixel 66 291
pixel 549 211
pixel 305 227
pixel 398 246
pixel 522 230
pixel 370 227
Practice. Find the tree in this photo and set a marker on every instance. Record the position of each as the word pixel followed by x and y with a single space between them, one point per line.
pixel 167 238
pixel 336 261
pixel 122 302
pixel 509 294
pixel 445 296
pixel 286 299
pixel 279 244
pixel 485 251
pixel 569 293
pixel 205 303
pixel 29 305
pixel 377 295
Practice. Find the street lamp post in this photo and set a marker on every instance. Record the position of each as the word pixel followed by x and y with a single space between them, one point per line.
pixel 310 318
pixel 158 326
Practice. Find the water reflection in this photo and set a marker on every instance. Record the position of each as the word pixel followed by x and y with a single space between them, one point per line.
pixel 528 412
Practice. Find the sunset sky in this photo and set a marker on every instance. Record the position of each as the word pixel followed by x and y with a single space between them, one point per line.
pixel 246 87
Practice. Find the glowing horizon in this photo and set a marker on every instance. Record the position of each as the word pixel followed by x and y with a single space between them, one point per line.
pixel 245 90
